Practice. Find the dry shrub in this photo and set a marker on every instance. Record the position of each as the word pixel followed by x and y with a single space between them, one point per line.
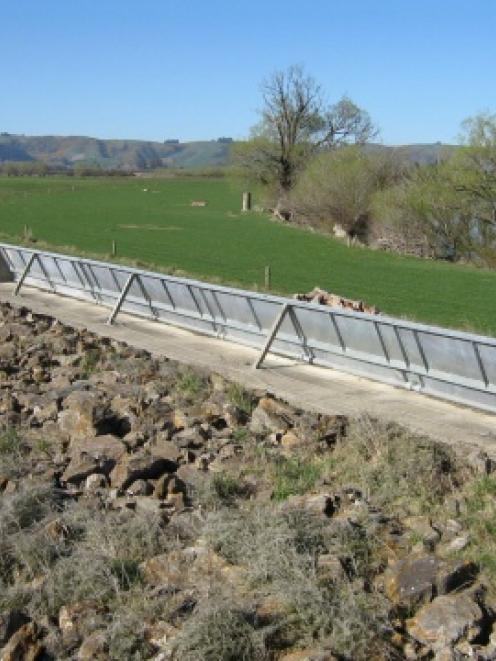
pixel 394 468
pixel 220 630
pixel 279 548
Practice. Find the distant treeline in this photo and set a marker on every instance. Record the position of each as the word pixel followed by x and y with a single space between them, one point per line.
pixel 40 169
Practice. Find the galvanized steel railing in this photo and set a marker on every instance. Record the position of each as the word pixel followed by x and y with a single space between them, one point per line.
pixel 449 364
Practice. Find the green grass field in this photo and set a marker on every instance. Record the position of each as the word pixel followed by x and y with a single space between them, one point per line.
pixel 159 228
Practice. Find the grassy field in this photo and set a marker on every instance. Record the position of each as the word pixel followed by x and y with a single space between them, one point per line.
pixel 158 227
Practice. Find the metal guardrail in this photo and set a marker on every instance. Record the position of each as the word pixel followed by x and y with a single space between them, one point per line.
pixel 449 364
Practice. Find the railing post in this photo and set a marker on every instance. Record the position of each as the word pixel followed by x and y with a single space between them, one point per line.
pixel 277 324
pixel 121 298
pixel 24 274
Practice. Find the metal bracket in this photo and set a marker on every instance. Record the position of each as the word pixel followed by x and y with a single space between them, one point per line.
pixel 121 298
pixel 24 274
pixel 272 335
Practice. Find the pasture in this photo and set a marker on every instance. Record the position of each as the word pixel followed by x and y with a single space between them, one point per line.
pixel 159 228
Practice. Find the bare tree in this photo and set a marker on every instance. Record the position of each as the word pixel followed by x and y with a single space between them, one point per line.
pixel 294 125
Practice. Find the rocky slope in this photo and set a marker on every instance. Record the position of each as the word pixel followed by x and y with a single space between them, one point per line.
pixel 150 511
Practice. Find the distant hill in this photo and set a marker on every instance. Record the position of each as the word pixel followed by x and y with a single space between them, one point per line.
pixel 67 152
pixel 131 155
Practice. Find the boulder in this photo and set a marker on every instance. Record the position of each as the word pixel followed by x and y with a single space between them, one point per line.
pixel 78 619
pixel 271 416
pixel 95 455
pixel 419 578
pixel 10 622
pixel 169 484
pixel 94 648
pixel 165 449
pixel 139 466
pixel 83 414
pixel 23 645
pixel 421 525
pixel 446 620
pixel 164 569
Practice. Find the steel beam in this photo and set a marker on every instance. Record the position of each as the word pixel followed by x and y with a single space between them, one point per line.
pixel 121 298
pixel 24 274
pixel 271 337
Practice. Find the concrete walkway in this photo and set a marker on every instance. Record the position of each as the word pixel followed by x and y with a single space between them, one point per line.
pixel 315 388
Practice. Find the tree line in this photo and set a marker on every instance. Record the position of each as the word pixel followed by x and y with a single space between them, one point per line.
pixel 315 164
pixel 41 169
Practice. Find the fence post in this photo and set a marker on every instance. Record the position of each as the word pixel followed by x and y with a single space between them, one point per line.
pixel 246 201
pixel 114 248
pixel 267 277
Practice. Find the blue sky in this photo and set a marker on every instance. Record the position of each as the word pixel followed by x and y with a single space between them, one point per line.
pixel 191 69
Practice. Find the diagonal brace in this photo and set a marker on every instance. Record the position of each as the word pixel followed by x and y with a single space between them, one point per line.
pixel 121 298
pixel 272 335
pixel 24 274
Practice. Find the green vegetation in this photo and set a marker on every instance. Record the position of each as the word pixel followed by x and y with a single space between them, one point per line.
pixel 159 228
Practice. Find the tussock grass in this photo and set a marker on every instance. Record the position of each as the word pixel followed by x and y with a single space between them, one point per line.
pixel 393 468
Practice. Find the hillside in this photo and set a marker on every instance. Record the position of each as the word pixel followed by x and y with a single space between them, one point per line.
pixel 69 151
pixel 129 155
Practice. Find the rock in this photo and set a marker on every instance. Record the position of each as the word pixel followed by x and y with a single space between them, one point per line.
pixel 169 484
pixel 454 546
pixel 165 449
pixel 83 413
pixel 95 455
pixel 421 525
pixel 290 440
pixel 95 481
pixel 23 645
pixel 140 488
pixel 445 621
pixel 76 620
pixel 139 466
pixel 192 437
pixel 94 648
pixel 10 622
pixel 319 504
pixel 160 634
pixel 418 578
pixel 165 569
pixel 271 416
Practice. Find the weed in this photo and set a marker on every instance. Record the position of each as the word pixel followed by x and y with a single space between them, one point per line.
pixel 241 398
pixel 11 442
pixel 240 434
pixel 89 362
pixel 227 487
pixel 191 384
pixel 293 476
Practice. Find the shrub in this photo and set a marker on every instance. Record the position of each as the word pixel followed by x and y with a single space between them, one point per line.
pixel 218 631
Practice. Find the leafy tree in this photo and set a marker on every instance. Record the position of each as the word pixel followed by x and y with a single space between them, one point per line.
pixel 476 165
pixel 426 212
pixel 337 187
pixel 294 125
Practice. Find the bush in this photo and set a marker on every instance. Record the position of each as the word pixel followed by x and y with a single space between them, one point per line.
pixel 218 631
